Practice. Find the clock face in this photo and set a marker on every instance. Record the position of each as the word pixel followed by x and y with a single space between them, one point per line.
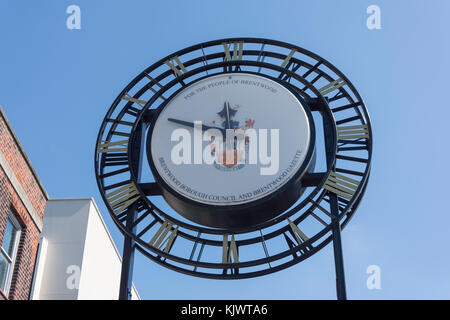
pixel 250 202
pixel 271 121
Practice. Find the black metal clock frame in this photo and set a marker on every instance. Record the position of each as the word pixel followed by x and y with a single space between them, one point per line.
pixel 317 218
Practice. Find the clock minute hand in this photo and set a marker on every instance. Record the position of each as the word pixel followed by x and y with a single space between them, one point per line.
pixel 191 124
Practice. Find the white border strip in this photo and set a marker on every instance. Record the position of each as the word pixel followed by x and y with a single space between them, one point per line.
pixel 22 194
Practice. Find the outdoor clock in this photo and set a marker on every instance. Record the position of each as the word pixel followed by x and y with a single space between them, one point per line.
pixel 234 158
pixel 233 194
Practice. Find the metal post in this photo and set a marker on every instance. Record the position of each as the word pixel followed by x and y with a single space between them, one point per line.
pixel 337 246
pixel 126 275
pixel 336 230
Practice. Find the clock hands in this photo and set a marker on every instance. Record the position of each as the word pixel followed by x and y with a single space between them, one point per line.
pixel 191 124
pixel 226 112
pixel 227 115
pixel 228 123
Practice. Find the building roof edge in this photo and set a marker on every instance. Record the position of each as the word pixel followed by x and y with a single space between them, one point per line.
pixel 24 154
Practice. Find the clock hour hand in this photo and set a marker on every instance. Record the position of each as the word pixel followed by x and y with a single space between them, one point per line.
pixel 227 115
pixel 228 123
pixel 191 124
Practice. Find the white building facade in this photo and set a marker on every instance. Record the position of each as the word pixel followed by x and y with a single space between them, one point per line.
pixel 77 258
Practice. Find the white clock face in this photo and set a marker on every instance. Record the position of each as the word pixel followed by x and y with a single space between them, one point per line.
pixel 273 122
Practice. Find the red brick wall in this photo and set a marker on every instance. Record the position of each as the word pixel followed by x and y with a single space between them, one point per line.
pixel 10 201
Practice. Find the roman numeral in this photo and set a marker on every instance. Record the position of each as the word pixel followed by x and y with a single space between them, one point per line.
pixel 139 102
pixel 116 146
pixel 334 85
pixel 261 56
pixel 177 70
pixel 237 50
pixel 352 135
pixel 341 185
pixel 353 132
pixel 288 58
pixel 300 237
pixel 151 85
pixel 288 64
pixel 123 197
pixel 164 237
pixel 229 249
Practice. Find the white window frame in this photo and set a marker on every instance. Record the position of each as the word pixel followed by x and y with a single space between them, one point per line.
pixel 12 260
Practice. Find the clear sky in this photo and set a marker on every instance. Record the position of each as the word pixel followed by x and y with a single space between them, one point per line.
pixel 56 85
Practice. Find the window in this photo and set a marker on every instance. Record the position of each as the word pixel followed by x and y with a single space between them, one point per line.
pixel 8 252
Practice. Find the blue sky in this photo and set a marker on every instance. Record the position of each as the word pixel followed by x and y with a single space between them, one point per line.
pixel 57 84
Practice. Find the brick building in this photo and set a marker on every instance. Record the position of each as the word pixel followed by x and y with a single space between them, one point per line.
pixel 22 204
pixel 39 256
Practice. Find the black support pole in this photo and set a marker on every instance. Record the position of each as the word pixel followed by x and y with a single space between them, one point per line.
pixel 329 135
pixel 126 276
pixel 337 246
